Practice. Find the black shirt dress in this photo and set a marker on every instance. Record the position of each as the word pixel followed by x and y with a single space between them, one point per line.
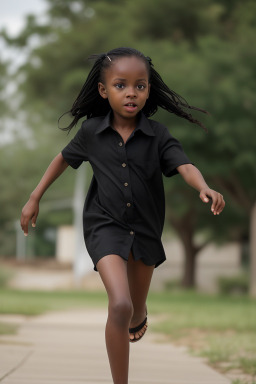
pixel 125 206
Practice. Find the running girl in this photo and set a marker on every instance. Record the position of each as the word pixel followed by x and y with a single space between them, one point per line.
pixel 124 210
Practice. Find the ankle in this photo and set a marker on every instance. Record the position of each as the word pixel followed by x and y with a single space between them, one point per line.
pixel 137 318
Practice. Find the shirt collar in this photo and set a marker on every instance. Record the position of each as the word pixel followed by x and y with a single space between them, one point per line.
pixel 142 124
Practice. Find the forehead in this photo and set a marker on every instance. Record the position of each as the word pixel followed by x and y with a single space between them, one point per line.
pixel 127 67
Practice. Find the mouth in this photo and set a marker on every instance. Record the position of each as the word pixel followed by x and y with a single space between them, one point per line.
pixel 131 107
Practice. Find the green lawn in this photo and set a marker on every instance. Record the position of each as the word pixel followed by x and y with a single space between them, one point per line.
pixel 36 302
pixel 222 329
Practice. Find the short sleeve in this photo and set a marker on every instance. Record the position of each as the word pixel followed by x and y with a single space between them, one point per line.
pixel 171 154
pixel 76 151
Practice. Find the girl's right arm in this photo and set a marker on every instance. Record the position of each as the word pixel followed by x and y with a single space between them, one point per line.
pixel 31 209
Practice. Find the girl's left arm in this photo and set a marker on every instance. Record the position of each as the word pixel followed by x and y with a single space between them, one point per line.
pixel 194 178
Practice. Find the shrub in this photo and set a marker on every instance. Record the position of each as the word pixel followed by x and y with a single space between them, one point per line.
pixel 5 276
pixel 238 284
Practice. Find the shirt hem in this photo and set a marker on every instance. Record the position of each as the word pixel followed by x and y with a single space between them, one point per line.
pixel 95 260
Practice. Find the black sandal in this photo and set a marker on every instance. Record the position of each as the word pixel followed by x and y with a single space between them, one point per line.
pixel 133 331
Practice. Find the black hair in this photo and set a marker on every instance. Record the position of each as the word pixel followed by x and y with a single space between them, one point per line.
pixel 89 103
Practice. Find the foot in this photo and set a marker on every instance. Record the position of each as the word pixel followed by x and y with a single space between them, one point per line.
pixel 137 332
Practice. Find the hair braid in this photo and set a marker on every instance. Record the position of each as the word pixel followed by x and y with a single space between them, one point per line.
pixel 89 103
pixel 162 96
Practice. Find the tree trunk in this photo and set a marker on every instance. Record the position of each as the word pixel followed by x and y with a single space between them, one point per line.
pixel 253 251
pixel 185 228
pixel 189 270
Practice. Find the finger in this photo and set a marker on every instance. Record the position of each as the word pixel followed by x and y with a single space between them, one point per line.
pixel 221 204
pixel 204 197
pixel 24 224
pixel 218 204
pixel 33 220
pixel 24 227
pixel 214 203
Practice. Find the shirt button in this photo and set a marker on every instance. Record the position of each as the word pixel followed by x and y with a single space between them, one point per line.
pixel 128 204
pixel 126 184
pixel 123 165
pixel 120 144
pixel 131 233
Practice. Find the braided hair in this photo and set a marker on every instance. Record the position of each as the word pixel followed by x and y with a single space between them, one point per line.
pixel 89 103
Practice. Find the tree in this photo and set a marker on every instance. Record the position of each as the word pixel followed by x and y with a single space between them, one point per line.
pixel 229 147
pixel 225 77
pixel 206 53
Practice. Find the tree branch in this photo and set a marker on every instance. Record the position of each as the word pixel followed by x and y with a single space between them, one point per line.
pixel 235 190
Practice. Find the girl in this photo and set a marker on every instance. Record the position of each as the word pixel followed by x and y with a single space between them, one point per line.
pixel 124 210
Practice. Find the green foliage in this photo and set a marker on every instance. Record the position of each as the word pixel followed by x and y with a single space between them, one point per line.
pixel 3 84
pixel 175 20
pixel 248 365
pixel 5 275
pixel 172 285
pixel 203 49
pixel 234 285
pixel 21 169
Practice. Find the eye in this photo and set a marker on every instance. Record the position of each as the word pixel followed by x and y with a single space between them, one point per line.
pixel 141 86
pixel 119 86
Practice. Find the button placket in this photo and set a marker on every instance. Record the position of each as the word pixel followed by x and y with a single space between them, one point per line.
pixel 125 180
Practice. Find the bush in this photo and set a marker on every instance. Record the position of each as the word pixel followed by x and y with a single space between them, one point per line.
pixel 5 276
pixel 174 284
pixel 238 284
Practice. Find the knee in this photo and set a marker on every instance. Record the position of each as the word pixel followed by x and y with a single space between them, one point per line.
pixel 121 311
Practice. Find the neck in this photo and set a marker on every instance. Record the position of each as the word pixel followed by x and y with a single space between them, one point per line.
pixel 123 123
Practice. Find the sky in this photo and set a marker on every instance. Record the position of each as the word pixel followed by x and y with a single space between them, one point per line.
pixel 12 18
pixel 13 12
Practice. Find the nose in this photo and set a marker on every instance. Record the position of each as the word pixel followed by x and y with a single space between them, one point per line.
pixel 131 92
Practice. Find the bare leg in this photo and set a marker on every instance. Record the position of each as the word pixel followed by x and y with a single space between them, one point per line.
pixel 139 277
pixel 113 272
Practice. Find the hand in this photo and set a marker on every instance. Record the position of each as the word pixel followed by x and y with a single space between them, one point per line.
pixel 29 212
pixel 218 202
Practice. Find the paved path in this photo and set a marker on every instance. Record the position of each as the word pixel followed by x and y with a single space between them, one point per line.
pixel 69 348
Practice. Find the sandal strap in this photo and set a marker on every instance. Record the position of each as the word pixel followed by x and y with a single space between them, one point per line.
pixel 139 327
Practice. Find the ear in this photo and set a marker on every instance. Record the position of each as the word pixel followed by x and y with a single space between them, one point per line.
pixel 102 90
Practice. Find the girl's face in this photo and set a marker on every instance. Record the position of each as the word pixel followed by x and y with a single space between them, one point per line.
pixel 126 86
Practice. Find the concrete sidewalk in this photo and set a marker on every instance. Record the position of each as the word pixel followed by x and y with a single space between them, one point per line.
pixel 69 348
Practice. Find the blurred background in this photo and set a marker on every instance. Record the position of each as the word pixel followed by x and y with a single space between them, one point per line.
pixel 206 52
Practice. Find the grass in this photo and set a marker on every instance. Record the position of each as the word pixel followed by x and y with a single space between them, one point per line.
pixel 5 275
pixel 186 310
pixel 7 329
pixel 221 329
pixel 238 381
pixel 31 303
pixel 36 302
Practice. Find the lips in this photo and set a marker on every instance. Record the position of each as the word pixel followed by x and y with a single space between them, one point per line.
pixel 130 107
